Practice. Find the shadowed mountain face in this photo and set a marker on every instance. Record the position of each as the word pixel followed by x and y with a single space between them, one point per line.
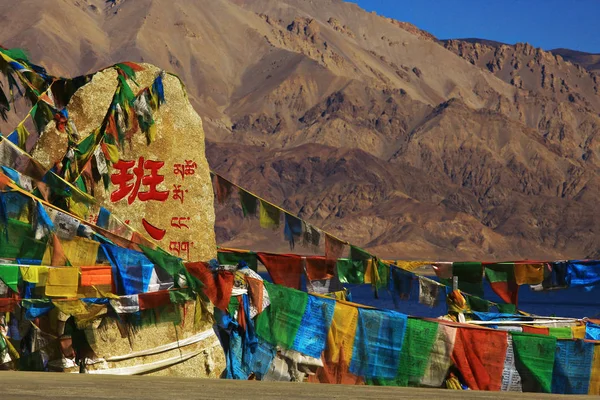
pixel 365 126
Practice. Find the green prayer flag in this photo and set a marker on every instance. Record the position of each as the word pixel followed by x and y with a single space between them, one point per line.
pixel 171 264
pixel 478 304
pixel 9 274
pixel 248 202
pixel 23 135
pixel 233 258
pixel 470 277
pixel 356 253
pixel 33 249
pixel 416 350
pixel 180 296
pixel 278 324
pixel 507 308
pixel 351 271
pixel 13 236
pixel 384 274
pixel 534 360
pixel 561 333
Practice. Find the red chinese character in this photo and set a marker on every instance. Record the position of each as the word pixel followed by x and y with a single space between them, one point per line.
pixel 152 180
pixel 122 178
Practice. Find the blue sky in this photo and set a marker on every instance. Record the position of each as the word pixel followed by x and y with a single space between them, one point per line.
pixel 549 24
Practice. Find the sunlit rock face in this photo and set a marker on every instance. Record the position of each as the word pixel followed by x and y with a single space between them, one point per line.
pixel 173 203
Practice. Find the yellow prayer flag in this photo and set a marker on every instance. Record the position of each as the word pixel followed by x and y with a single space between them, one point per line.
pixel 111 152
pixel 71 307
pixel 411 265
pixel 594 388
pixel 81 251
pixel 269 215
pixel 34 274
pixel 340 338
pixel 578 331
pixel 62 282
pixel 529 274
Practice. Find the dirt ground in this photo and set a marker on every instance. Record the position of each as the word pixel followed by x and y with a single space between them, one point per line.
pixel 56 386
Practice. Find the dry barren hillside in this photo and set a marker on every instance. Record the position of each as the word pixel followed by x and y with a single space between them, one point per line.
pixel 366 126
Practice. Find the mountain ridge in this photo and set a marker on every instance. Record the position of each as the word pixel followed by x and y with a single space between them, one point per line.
pixel 451 149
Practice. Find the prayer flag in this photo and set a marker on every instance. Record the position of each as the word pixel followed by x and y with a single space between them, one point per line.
pixel 479 356
pixel 529 274
pixel 572 367
pixel 534 359
pixel 470 277
pixel 379 338
pixel 279 323
pixel 312 333
pixel 269 215
pixel 284 269
pixel 503 282
pixel 440 358
pixel 62 282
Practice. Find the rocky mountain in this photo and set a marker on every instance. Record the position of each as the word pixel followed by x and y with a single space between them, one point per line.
pixel 366 126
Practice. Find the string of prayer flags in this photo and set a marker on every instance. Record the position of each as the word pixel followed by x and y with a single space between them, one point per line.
pixel 594 386
pixel 342 334
pixel 217 286
pixel 269 215
pixel 292 229
pixel 131 270
pixel 96 275
pixel 503 282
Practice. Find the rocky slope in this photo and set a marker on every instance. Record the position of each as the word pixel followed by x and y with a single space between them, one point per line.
pixel 364 125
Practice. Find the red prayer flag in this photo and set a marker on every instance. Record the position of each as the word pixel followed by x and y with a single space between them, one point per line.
pixel 537 331
pixel 479 356
pixel 318 268
pixel 334 248
pixel 218 289
pixel 256 288
pixel 285 269
pixel 154 299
